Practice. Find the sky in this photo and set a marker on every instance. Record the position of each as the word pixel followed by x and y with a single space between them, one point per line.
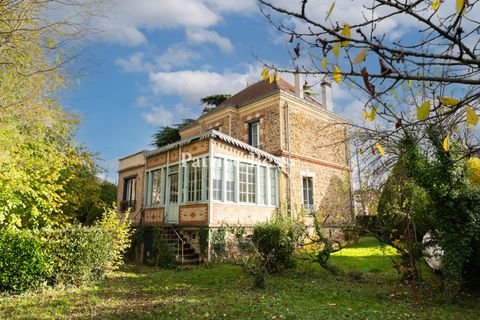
pixel 154 60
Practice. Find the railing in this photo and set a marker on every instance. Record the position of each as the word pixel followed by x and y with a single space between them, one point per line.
pixel 180 244
pixel 127 204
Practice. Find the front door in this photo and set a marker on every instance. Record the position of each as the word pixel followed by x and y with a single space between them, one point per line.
pixel 171 205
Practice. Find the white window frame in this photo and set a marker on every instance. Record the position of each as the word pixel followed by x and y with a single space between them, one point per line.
pixel 254 138
pixel 217 175
pixel 309 207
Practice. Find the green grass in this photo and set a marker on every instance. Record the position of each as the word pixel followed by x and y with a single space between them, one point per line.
pixel 225 292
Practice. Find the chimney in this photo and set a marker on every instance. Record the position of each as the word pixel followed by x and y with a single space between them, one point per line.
pixel 298 86
pixel 326 90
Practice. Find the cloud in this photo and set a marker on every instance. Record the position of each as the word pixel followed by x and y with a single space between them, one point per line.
pixel 200 36
pixel 192 85
pixel 134 63
pixel 162 116
pixel 244 6
pixel 176 56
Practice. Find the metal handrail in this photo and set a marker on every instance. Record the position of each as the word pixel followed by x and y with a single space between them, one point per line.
pixel 179 241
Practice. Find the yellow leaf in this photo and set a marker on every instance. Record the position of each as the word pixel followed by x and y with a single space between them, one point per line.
pixel 446 143
pixel 372 115
pixel 324 63
pixel 435 5
pixel 472 117
pixel 337 74
pixel 330 11
pixel 346 33
pixel 265 73
pixel 380 148
pixel 473 171
pixel 459 6
pixel 449 101
pixel 361 56
pixel 272 78
pixel 336 49
pixel 423 111
pixel 409 83
pixel 365 115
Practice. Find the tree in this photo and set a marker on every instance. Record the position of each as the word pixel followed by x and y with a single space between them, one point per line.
pixel 433 68
pixel 37 148
pixel 215 100
pixel 420 87
pixel 167 135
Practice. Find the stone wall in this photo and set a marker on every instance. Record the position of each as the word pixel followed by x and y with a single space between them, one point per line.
pixel 317 137
pixel 331 191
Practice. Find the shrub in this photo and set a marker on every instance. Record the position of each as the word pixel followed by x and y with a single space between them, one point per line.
pixel 81 254
pixel 23 265
pixel 70 256
pixel 218 240
pixel 275 242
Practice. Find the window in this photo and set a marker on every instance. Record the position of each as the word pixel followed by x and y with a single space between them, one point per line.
pixel 217 171
pixel 230 180
pixel 254 134
pixel 247 182
pixel 157 194
pixel 194 181
pixel 308 194
pixel 262 176
pixel 129 188
pixel 173 181
pixel 273 186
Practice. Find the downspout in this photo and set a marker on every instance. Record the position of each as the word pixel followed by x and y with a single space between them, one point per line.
pixel 349 163
pixel 289 159
pixel 210 193
pixel 360 184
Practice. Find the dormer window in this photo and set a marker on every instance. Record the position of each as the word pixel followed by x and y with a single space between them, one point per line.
pixel 254 134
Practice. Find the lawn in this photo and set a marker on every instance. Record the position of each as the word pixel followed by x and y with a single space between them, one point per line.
pixel 225 292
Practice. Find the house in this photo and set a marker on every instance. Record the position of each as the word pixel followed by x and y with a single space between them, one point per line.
pixel 268 150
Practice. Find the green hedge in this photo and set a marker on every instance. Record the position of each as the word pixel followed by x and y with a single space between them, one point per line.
pixel 70 256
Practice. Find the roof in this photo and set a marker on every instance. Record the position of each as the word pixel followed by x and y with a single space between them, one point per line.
pixel 252 93
pixel 133 154
pixel 216 134
pixel 260 90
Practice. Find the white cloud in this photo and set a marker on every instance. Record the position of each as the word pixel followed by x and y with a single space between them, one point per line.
pixel 159 116
pixel 243 6
pixel 200 36
pixel 162 116
pixel 176 56
pixel 192 85
pixel 134 63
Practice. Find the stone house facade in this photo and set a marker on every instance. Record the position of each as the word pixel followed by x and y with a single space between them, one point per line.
pixel 267 150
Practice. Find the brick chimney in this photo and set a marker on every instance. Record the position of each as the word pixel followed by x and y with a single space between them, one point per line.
pixel 326 91
pixel 299 86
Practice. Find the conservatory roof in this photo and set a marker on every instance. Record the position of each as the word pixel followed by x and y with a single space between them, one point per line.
pixel 213 134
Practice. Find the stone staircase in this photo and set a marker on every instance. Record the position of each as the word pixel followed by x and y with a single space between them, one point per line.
pixel 174 240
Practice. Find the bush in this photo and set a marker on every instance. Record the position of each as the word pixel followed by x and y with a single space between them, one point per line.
pixel 23 265
pixel 70 256
pixel 81 254
pixel 275 242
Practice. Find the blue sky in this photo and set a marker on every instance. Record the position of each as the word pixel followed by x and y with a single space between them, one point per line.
pixel 154 60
